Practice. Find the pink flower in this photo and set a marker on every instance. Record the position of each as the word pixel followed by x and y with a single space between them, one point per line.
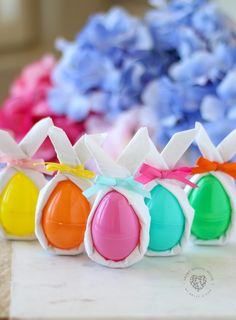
pixel 27 103
pixel 37 76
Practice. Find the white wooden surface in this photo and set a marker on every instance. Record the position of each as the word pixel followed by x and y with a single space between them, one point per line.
pixel 49 287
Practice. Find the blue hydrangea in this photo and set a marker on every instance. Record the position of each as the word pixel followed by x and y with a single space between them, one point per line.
pixel 178 61
pixel 115 30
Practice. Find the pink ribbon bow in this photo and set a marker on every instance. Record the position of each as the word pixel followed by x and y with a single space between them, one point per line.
pixel 28 163
pixel 149 173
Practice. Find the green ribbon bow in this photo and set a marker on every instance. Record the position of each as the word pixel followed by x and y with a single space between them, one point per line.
pixel 102 182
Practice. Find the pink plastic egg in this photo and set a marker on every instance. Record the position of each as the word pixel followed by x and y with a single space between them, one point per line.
pixel 115 227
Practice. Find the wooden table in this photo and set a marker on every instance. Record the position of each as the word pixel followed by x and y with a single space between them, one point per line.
pixel 36 285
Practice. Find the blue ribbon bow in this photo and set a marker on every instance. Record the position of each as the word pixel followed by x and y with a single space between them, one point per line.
pixel 102 182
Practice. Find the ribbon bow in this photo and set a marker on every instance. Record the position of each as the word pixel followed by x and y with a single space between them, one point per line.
pixel 205 165
pixel 102 182
pixel 28 163
pixel 77 171
pixel 149 173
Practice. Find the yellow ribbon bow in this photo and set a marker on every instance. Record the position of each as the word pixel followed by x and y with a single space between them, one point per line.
pixel 78 171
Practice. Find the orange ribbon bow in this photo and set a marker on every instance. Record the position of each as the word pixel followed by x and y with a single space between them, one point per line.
pixel 205 165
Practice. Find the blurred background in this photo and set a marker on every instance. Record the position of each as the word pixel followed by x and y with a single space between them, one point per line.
pixel 28 29
pixel 206 41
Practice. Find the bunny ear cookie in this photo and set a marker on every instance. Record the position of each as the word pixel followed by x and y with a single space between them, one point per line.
pixel 214 201
pixel 20 181
pixel 117 231
pixel 62 209
pixel 169 209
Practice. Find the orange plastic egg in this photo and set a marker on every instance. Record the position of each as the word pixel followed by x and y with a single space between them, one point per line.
pixel 65 215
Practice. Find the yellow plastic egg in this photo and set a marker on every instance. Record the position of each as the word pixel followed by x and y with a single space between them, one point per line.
pixel 17 206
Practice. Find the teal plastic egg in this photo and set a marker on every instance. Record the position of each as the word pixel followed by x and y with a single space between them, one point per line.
pixel 212 209
pixel 167 219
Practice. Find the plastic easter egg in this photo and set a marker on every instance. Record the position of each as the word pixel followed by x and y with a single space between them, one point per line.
pixel 17 206
pixel 65 215
pixel 212 209
pixel 115 227
pixel 167 219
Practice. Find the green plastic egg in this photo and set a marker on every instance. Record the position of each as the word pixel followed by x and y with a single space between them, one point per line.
pixel 212 209
pixel 167 219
